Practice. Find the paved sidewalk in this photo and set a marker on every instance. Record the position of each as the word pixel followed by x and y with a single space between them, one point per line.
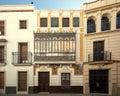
pixel 49 94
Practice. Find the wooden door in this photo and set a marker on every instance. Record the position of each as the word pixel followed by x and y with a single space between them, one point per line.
pixel 1 80
pixel 65 80
pixel 22 81
pixel 43 78
pixel 1 54
pixel 98 50
pixel 98 80
pixel 23 49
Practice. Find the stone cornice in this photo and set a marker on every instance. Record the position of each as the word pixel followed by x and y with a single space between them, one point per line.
pixel 102 8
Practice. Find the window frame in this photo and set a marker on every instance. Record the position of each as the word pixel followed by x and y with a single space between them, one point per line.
pixel 43 22
pixel 118 21
pixel 105 23
pixel 54 23
pixel 2 31
pixel 4 55
pixel 22 24
pixel 65 22
pixel 76 22
pixel 66 83
pixel 91 26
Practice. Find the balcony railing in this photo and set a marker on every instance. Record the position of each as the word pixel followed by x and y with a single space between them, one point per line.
pixel 2 61
pixel 105 56
pixel 22 58
pixel 58 56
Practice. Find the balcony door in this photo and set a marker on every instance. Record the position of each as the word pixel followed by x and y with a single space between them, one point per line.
pixel 98 50
pixel 1 54
pixel 23 49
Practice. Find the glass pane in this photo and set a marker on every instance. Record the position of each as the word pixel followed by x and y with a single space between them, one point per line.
pixel 54 22
pixel 76 22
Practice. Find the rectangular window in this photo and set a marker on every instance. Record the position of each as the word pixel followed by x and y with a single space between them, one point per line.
pixel 75 21
pixel 65 80
pixel 2 27
pixel 54 22
pixel 1 54
pixel 23 24
pixel 65 22
pixel 43 22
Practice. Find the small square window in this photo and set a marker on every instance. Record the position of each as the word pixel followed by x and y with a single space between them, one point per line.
pixel 54 22
pixel 65 22
pixel 43 22
pixel 23 24
pixel 76 22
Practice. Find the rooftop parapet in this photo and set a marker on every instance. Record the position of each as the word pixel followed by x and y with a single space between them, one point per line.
pixel 16 7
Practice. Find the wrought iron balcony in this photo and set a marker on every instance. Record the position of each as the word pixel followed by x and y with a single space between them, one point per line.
pixel 58 56
pixel 22 58
pixel 2 61
pixel 54 46
pixel 104 56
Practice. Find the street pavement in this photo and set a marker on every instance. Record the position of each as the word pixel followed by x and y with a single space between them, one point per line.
pixel 49 94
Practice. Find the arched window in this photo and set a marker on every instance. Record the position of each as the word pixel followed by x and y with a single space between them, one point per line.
pixel 105 24
pixel 118 21
pixel 91 26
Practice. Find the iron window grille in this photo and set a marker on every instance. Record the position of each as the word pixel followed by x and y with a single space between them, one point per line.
pixel 54 46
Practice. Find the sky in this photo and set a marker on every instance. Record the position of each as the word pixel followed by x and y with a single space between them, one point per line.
pixel 50 4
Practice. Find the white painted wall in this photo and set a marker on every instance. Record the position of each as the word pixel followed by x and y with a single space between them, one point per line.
pixel 14 35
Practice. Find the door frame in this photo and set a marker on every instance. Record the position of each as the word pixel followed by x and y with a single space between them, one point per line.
pixel 109 85
pixel 4 90
pixel 38 78
pixel 69 78
pixel 22 92
pixel 19 50
pixel 100 42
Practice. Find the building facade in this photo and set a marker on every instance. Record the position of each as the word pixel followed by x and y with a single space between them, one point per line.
pixel 57 56
pixel 17 23
pixel 40 50
pixel 60 51
pixel 102 47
